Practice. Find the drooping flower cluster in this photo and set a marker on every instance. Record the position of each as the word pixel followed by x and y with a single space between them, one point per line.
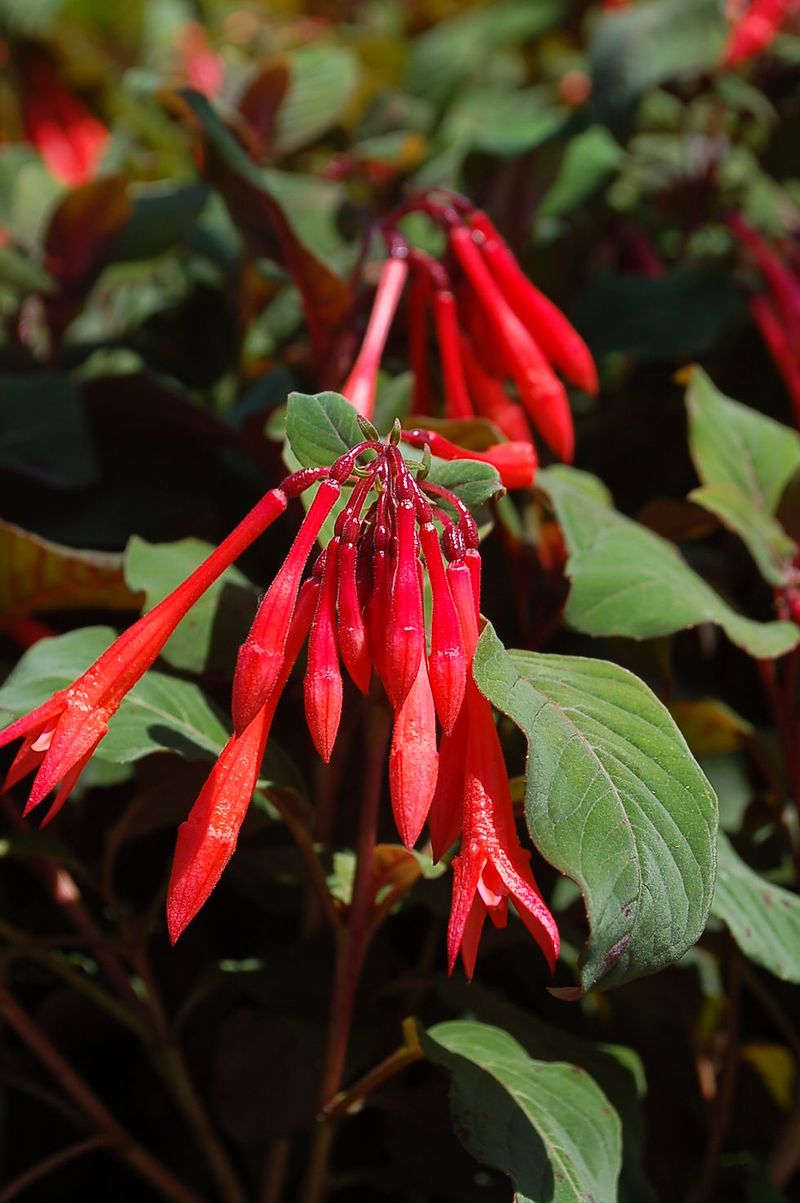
pixel 361 609
pixel 756 24
pixel 776 312
pixel 500 340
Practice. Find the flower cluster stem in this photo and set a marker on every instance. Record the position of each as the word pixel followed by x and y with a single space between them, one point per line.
pixel 117 1138
pixel 351 949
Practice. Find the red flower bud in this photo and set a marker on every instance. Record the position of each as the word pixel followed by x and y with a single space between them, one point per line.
pixel 323 680
pixel 457 401
pixel 757 29
pixel 207 839
pixel 557 337
pixel 516 463
pixel 405 631
pixel 261 654
pixel 448 660
pixel 413 759
pixel 540 390
pixel 352 630
pixel 491 399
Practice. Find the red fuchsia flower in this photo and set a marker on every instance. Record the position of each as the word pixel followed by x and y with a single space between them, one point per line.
pixel 500 340
pixel 359 604
pixel 70 139
pixel 776 312
pixel 60 736
pixel 202 67
pixel 516 463
pixel 756 27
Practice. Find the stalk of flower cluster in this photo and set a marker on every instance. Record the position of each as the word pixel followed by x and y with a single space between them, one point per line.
pixel 60 736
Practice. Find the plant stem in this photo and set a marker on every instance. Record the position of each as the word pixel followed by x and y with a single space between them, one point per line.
pixel 782 705
pixel 275 1171
pixel 118 1139
pixel 49 1164
pixel 168 1059
pixel 351 949
pixel 723 1108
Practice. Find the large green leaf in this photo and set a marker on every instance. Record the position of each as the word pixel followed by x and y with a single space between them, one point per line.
pixel 322 81
pixel 763 918
pixel 614 799
pixel 636 48
pixel 215 626
pixel 590 158
pixel 628 581
pixel 44 433
pixel 545 1124
pixel 745 460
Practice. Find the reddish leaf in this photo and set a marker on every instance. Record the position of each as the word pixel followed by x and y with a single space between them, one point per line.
pixel 84 230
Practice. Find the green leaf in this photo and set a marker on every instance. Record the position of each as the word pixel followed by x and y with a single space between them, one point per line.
pixel 453 49
pixel 209 635
pixel 322 82
pixel 745 460
pixel 44 433
pixel 614 799
pixel 163 714
pixel 161 216
pixel 52 664
pixel 545 1124
pixel 472 482
pixel 734 445
pixel 764 537
pixel 633 50
pixel 628 581
pixel 764 919
pixel 589 160
pixel 320 427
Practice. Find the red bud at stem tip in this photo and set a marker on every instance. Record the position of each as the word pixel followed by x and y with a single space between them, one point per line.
pixel 405 636
pixel 413 759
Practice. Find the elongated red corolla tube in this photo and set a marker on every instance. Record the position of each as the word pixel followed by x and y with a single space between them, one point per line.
pixel 352 630
pixel 70 139
pixel 491 399
pixel 784 285
pixel 757 29
pixel 413 758
pixel 448 660
pixel 359 387
pixel 323 679
pixel 208 837
pixel 456 394
pixel 785 357
pixel 405 631
pixel 515 462
pixel 422 392
pixel 61 735
pixel 261 655
pixel 554 333
pixel 540 390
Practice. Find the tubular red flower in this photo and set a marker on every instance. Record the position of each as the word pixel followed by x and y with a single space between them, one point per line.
pixel 405 633
pixel 491 400
pixel 540 390
pixel 557 337
pixel 359 388
pixel 70 139
pixel 448 660
pixel 491 867
pixel 422 395
pixel 457 401
pixel 516 463
pixel 757 29
pixel 413 758
pixel 261 655
pixel 785 357
pixel 352 630
pixel 62 734
pixel 207 839
pixel 323 680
